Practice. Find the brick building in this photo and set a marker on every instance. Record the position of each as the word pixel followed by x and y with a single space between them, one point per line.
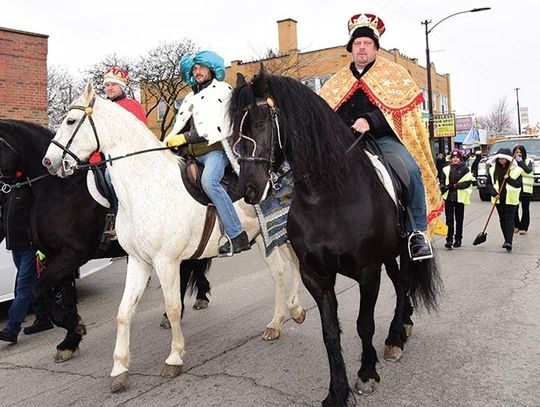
pixel 23 75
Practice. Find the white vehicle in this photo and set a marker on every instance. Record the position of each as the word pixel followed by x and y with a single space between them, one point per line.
pixel 8 272
pixel 531 143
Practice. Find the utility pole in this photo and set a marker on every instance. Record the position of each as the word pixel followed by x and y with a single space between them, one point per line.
pixel 518 112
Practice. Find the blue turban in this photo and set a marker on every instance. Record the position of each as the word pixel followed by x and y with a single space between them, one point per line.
pixel 207 58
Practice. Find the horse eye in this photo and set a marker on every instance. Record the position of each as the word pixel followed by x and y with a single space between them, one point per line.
pixel 258 125
pixel 70 121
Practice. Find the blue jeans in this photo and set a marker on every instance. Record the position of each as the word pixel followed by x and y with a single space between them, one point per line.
pixel 25 261
pixel 214 168
pixel 417 193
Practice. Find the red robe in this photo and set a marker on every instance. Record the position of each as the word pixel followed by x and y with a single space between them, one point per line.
pixel 131 105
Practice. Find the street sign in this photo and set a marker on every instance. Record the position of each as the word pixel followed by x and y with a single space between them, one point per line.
pixel 524 116
pixel 445 125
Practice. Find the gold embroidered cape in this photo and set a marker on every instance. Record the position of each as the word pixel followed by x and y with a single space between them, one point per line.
pixel 390 87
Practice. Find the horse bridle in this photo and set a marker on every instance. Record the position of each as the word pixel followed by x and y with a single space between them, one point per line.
pixel 88 110
pixel 276 134
pixel 6 187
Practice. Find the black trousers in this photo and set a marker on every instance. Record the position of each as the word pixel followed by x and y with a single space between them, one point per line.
pixel 523 223
pixel 506 219
pixel 454 211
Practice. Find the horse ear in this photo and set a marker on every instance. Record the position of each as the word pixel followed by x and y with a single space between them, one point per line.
pixel 240 80
pixel 89 91
pixel 260 82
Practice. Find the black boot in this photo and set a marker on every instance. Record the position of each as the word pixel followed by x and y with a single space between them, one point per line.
pixel 457 243
pixel 448 244
pixel 40 324
pixel 419 247
pixel 507 246
pixel 8 336
pixel 240 243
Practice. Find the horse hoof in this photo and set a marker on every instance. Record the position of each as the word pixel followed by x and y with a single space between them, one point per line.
pixel 170 371
pixel 165 323
pixel 119 382
pixel 365 388
pixel 271 334
pixel 63 355
pixel 408 329
pixel 200 304
pixel 392 353
pixel 300 318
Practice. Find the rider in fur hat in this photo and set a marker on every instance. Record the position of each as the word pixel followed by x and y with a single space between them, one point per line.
pixel 203 125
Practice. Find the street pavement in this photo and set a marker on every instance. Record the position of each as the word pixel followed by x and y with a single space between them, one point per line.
pixel 480 349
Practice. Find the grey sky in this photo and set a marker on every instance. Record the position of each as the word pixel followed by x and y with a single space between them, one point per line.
pixel 487 54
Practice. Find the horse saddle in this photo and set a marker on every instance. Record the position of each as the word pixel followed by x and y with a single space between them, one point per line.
pixel 191 171
pixel 399 179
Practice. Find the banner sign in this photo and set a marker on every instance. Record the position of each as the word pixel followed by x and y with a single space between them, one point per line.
pixel 445 125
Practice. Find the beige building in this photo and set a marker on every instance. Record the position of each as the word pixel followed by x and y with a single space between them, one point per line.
pixel 315 67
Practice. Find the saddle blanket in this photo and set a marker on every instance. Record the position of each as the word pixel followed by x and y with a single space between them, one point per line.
pixel 274 209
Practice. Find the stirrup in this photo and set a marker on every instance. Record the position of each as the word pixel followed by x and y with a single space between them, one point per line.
pixel 427 256
pixel 109 230
pixel 231 247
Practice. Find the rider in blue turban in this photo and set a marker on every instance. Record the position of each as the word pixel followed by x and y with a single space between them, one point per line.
pixel 207 58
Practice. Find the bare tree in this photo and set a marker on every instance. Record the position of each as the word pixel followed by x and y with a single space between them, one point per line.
pixel 499 120
pixel 159 75
pixel 62 88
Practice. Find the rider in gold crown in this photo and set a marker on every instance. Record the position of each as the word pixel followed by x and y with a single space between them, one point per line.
pixel 376 95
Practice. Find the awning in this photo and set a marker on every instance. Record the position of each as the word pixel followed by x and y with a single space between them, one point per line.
pixel 460 137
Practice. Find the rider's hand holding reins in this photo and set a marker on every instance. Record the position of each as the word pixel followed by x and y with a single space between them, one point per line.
pixel 178 140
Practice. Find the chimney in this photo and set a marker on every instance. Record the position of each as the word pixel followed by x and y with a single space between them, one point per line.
pixel 288 41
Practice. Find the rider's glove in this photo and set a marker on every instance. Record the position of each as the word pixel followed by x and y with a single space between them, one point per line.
pixel 178 140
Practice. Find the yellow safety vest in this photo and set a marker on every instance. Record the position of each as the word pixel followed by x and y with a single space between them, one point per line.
pixel 528 179
pixel 512 193
pixel 463 195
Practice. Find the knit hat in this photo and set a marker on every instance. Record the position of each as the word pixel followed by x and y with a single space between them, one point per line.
pixel 457 153
pixel 365 25
pixel 117 75
pixel 207 58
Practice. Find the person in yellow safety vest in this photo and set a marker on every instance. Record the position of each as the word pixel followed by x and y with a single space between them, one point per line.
pixel 521 226
pixel 456 189
pixel 507 200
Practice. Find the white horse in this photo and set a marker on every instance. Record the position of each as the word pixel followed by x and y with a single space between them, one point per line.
pixel 158 222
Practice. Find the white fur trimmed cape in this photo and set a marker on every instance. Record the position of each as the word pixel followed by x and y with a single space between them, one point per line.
pixel 209 110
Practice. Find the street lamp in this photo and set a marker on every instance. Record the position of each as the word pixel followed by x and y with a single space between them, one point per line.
pixel 428 68
pixel 518 112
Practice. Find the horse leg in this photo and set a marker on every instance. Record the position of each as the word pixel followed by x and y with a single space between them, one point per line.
pixel 297 312
pixel 136 279
pixel 274 262
pixel 56 290
pixel 397 336
pixel 202 283
pixel 170 285
pixel 365 324
pixel 321 287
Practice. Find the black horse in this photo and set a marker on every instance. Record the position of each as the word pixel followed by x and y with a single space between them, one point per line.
pixel 341 218
pixel 67 225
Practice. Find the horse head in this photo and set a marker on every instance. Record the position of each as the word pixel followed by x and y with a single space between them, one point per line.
pixel 76 137
pixel 256 135
pixel 10 157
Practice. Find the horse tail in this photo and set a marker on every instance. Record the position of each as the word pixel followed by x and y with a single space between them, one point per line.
pixel 425 283
pixel 194 272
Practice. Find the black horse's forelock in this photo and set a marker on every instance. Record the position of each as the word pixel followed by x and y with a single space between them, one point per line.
pixel 243 98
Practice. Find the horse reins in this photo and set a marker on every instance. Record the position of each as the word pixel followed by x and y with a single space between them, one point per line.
pixel 5 187
pixel 88 110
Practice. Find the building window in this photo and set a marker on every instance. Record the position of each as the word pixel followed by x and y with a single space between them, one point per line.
pixel 315 83
pixel 444 103
pixel 161 107
pixel 425 101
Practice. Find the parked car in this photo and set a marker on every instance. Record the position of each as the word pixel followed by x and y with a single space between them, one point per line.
pixel 8 272
pixel 531 144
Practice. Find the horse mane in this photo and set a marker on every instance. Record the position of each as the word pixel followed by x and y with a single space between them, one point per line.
pixel 34 138
pixel 309 127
